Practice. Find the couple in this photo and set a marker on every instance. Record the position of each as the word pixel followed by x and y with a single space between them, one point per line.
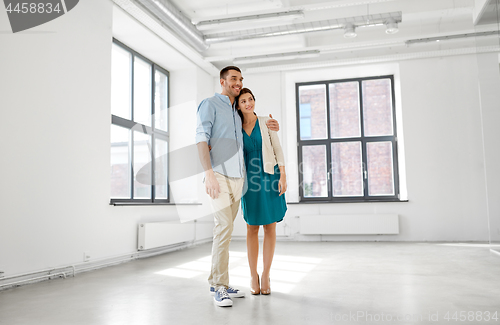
pixel 234 144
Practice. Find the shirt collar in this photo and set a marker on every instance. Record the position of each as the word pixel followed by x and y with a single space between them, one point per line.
pixel 225 99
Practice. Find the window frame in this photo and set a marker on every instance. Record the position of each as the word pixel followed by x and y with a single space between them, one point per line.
pixel 362 138
pixel 148 130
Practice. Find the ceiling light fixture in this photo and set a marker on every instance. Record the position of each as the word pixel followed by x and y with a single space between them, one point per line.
pixel 392 26
pixel 450 37
pixel 277 57
pixel 209 24
pixel 350 31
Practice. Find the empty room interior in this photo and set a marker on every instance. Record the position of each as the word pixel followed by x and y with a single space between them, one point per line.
pixel 388 115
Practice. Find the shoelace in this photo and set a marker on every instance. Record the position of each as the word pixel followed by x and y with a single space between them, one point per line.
pixel 231 289
pixel 223 293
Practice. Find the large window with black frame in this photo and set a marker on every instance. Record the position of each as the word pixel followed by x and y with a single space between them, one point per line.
pixel 139 128
pixel 347 140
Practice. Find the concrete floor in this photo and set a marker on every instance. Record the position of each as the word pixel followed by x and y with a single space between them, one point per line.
pixel 312 283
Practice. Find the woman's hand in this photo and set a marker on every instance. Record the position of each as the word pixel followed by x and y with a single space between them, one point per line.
pixel 282 184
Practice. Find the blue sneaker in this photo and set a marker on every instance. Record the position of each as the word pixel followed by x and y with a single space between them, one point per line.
pixel 233 293
pixel 222 299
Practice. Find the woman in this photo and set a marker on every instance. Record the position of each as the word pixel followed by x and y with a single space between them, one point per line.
pixel 264 201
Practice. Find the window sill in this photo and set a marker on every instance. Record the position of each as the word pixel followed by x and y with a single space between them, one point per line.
pixel 346 201
pixel 148 203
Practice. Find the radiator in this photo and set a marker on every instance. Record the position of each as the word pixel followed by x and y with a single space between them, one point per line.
pixel 355 224
pixel 158 234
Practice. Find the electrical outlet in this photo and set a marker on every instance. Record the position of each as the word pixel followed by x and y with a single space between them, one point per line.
pixel 86 256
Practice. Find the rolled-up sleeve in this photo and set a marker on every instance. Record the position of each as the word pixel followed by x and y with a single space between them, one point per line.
pixel 205 121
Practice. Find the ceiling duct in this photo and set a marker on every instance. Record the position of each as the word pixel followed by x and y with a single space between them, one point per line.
pixel 207 24
pixel 314 26
pixel 171 16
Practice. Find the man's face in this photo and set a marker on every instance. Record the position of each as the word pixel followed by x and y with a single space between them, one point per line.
pixel 231 86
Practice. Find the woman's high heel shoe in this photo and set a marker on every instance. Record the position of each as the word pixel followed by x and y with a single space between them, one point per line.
pixel 252 290
pixel 268 290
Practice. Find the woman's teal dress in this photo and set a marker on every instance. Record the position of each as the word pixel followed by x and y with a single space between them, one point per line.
pixel 261 203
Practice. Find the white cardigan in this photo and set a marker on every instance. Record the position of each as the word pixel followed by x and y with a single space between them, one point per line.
pixel 272 153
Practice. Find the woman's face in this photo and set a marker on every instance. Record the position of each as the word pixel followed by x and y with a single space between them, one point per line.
pixel 246 103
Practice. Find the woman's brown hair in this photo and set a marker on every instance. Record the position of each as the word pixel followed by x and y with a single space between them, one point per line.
pixel 237 100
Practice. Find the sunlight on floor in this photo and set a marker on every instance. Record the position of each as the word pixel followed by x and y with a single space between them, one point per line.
pixel 180 273
pixel 286 271
pixel 190 269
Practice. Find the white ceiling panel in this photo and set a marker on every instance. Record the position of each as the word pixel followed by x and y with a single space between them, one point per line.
pixel 420 19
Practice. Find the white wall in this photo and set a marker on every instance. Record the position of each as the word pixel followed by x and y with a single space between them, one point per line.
pixel 439 124
pixel 55 93
pixel 489 87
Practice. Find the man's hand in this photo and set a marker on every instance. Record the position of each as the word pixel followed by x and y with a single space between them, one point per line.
pixel 272 124
pixel 211 185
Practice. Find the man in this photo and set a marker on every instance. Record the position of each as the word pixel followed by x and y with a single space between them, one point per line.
pixel 219 126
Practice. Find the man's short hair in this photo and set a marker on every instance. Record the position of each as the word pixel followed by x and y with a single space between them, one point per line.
pixel 225 71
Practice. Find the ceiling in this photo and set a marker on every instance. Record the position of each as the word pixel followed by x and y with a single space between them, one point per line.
pixel 420 19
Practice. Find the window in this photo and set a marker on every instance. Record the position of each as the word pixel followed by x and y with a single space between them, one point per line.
pixel 347 140
pixel 139 128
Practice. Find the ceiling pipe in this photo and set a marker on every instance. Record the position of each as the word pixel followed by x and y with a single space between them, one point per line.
pixel 314 26
pixel 172 17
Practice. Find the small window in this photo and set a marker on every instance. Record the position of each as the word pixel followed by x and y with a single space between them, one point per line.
pixel 347 140
pixel 139 128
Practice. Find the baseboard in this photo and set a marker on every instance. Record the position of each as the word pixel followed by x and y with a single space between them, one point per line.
pixel 14 281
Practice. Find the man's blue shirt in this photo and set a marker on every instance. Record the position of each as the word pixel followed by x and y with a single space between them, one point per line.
pixel 220 126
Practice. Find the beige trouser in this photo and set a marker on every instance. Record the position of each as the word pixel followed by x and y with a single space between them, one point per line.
pixel 225 209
